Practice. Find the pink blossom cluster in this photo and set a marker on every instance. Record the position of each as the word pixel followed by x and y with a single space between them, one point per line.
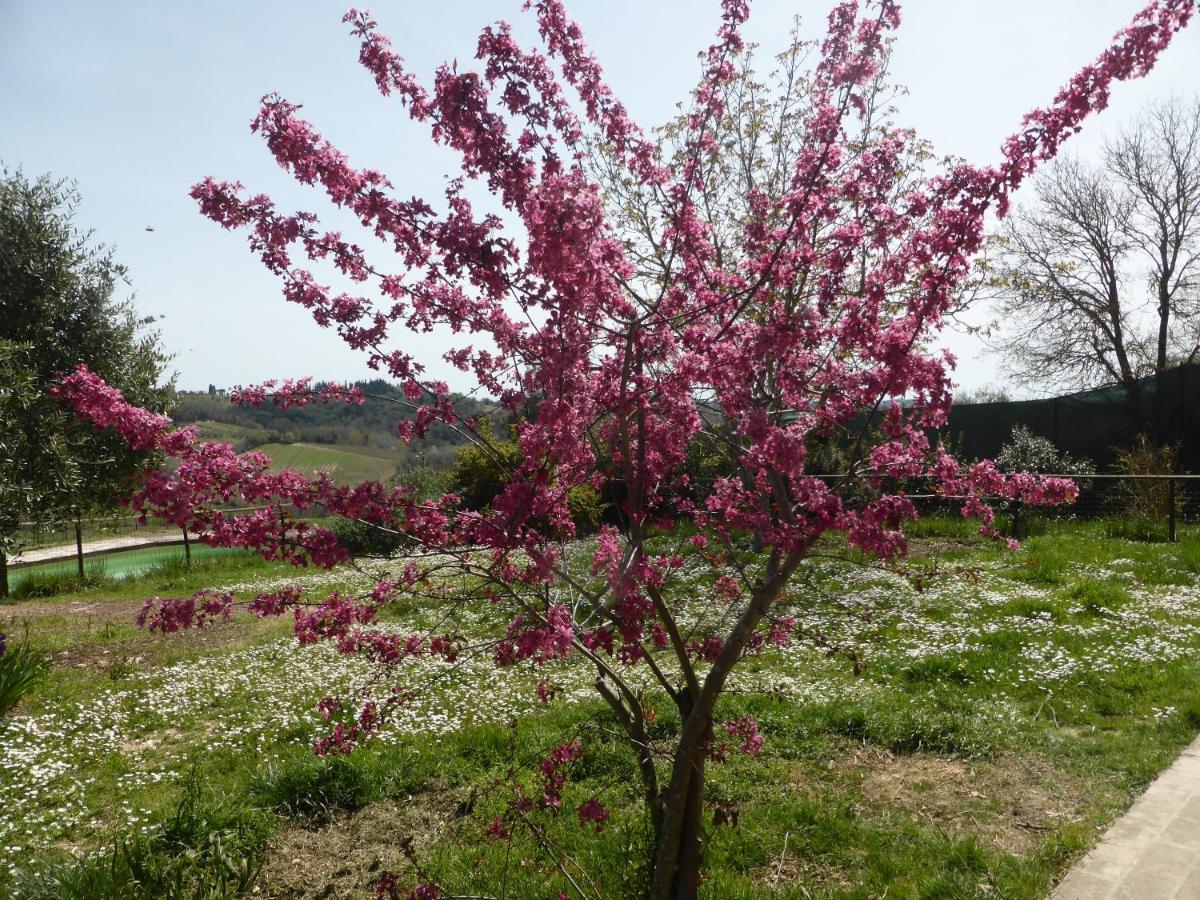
pixel 104 406
pixel 746 730
pixel 298 392
pixel 554 771
pixel 348 729
pixel 168 615
pixel 550 638
pixel 592 812
pixel 210 475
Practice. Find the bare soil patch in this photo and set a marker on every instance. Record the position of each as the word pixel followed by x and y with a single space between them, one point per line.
pixel 1009 803
pixel 100 635
pixel 346 857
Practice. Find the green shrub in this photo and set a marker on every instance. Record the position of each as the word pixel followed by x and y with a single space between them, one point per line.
pixel 481 473
pixel 20 669
pixel 363 539
pixel 1146 502
pixel 206 848
pixel 587 509
pixel 425 482
pixel 40 584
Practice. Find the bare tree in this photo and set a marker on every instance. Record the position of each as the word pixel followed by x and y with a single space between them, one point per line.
pixel 1159 162
pixel 1100 277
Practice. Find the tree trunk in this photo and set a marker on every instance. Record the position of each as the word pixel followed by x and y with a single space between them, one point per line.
pixel 1161 411
pixel 1164 327
pixel 676 874
pixel 679 857
pixel 3 574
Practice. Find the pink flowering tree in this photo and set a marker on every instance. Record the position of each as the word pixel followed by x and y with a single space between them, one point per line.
pixel 805 314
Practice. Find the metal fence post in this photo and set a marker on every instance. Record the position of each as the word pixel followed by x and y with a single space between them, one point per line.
pixel 79 545
pixel 1171 509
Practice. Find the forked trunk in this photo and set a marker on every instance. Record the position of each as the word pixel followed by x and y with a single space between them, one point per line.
pixel 680 815
pixel 679 853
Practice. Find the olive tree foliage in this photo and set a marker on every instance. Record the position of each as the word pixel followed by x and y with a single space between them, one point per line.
pixel 29 471
pixel 59 309
pixel 1100 277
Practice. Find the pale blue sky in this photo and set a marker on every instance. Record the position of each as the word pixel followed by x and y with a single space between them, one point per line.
pixel 137 100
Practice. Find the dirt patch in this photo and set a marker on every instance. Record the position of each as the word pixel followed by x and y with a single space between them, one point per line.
pixel 1009 804
pixel 97 610
pixel 923 546
pixel 796 873
pixel 100 635
pixel 348 856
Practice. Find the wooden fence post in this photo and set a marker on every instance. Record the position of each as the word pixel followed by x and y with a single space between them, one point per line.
pixel 187 549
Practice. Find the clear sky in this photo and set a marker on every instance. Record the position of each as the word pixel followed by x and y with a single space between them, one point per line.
pixel 138 99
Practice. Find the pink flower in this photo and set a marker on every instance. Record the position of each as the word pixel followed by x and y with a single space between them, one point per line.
pixel 746 728
pixel 590 811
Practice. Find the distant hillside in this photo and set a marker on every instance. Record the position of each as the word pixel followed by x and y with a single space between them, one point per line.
pixel 241 436
pixel 345 465
pixel 370 428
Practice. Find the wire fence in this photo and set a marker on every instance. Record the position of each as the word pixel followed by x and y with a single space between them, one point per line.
pixel 38 536
pixel 1140 507
pixel 43 535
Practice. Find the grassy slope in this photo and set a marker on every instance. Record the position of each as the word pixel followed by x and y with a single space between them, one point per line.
pixel 224 431
pixel 1003 717
pixel 347 465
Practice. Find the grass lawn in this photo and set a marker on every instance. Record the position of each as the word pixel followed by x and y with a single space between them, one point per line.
pixel 1005 713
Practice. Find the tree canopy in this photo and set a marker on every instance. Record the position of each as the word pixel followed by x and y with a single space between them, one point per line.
pixel 806 313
